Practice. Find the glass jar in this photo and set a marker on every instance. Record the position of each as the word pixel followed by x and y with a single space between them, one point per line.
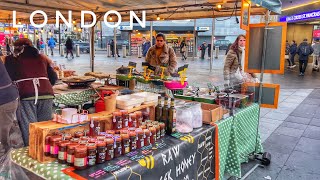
pixel 74 140
pixel 109 149
pixel 143 127
pixel 101 138
pixel 92 154
pixel 124 132
pixel 94 127
pixel 62 154
pixel 117 121
pixel 101 152
pixel 92 140
pixel 54 146
pixel 140 139
pixel 118 146
pixel 83 142
pixel 146 116
pixel 162 129
pixel 84 138
pixel 139 118
pixel 80 157
pixel 147 134
pixel 125 118
pixel 153 136
pixel 132 120
pixel 158 131
pixel 70 153
pixel 67 136
pixel 47 145
pixel 125 143
pixel 112 132
pixel 78 134
pixel 133 140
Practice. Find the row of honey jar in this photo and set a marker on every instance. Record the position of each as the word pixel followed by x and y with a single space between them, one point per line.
pixel 82 151
pixel 123 119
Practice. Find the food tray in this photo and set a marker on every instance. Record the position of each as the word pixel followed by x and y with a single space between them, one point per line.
pixel 79 84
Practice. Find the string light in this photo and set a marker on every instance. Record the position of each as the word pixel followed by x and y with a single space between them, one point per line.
pixel 158 18
pixel 219 6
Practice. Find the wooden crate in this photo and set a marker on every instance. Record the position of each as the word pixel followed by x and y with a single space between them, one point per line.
pixel 38 131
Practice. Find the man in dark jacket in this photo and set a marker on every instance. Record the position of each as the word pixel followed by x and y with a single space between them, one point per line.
pixel 69 47
pixel 145 46
pixel 203 48
pixel 293 52
pixel 304 51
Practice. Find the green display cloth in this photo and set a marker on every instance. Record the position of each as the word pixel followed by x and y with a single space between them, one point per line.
pixel 51 170
pixel 74 99
pixel 237 139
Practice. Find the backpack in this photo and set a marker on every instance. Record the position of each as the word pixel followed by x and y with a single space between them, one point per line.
pixel 305 49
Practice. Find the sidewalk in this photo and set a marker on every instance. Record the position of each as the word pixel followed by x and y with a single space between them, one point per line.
pixel 291 134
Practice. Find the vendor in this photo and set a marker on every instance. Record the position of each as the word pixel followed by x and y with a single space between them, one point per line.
pixel 161 54
pixel 33 74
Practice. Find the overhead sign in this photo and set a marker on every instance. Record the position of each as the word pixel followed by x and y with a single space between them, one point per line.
pixel 301 16
pixel 202 28
pixel 125 28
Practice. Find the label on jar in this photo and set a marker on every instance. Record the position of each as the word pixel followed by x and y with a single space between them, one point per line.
pixel 126 123
pixel 134 145
pixel 102 155
pixel 134 123
pixel 163 132
pixel 80 162
pixel 126 148
pixel 119 150
pixel 91 160
pixel 70 158
pixel 47 148
pixel 155 137
pixel 148 139
pixel 119 124
pixel 54 149
pixel 111 153
pixel 62 155
pixel 142 142
pixel 158 135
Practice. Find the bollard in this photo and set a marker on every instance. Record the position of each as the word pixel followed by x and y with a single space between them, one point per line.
pixel 46 50
pixel 108 50
pixel 61 50
pixel 124 51
pixel 139 51
pixel 216 52
pixel 77 50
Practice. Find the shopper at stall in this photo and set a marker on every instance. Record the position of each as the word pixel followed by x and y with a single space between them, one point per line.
pixel 203 48
pixel 183 49
pixel 234 64
pixel 145 46
pixel 34 77
pixel 162 55
pixel 10 134
pixel 316 55
pixel 304 51
pixel 52 45
pixel 293 52
pixel 69 47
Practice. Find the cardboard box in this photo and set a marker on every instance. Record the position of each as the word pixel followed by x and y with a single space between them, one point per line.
pixel 211 112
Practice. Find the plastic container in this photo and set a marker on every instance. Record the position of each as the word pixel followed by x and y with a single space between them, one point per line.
pixel 174 85
pixel 129 101
pixel 148 97
pixel 184 119
pixel 196 114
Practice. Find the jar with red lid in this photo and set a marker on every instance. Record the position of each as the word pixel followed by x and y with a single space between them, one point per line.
pixel 125 143
pixel 125 118
pixel 101 138
pixel 80 157
pixel 54 146
pixel 132 120
pixel 62 154
pixel 101 152
pixel 78 134
pixel 118 146
pixel 146 116
pixel 147 134
pixel 110 132
pixel 75 140
pixel 153 136
pixel 162 129
pixel 47 145
pixel 155 122
pixel 83 142
pixel 92 154
pixel 140 139
pixel 124 132
pixel 158 131
pixel 117 121
pixel 92 140
pixel 109 149
pixel 143 127
pixel 139 117
pixel 149 125
pixel 84 138
pixel 148 121
pixel 133 140
pixel 70 153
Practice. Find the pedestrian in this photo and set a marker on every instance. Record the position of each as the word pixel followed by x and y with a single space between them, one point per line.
pixel 69 47
pixel 52 45
pixel 42 46
pixel 145 46
pixel 8 42
pixel 153 40
pixel 162 55
pixel 293 52
pixel 304 51
pixel 183 49
pixel 38 44
pixel 112 48
pixel 10 134
pixel 203 48
pixel 316 55
pixel 287 52
pixel 34 76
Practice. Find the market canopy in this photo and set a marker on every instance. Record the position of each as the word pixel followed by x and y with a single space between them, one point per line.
pixel 165 9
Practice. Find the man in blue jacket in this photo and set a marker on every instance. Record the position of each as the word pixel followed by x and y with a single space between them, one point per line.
pixel 145 46
pixel 52 45
pixel 304 51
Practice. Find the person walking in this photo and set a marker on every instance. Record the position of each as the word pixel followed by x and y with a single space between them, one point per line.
pixel 293 52
pixel 304 51
pixel 38 44
pixel 316 55
pixel 112 48
pixel 69 47
pixel 287 52
pixel 10 134
pixel 203 48
pixel 183 49
pixel 145 46
pixel 34 75
pixel 52 45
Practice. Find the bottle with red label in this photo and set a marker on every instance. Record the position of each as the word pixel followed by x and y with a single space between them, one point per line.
pixel 140 139
pixel 117 121
pixel 147 134
pixel 132 120
pixel 125 118
pixel 92 154
pixel 139 118
pixel 133 140
pixel 118 146
pixel 153 136
pixel 109 149
pixel 125 143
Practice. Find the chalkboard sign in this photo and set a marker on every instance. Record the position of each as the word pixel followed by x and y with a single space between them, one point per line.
pixel 176 157
pixel 275 51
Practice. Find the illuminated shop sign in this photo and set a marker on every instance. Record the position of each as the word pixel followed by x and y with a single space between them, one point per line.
pixel 300 17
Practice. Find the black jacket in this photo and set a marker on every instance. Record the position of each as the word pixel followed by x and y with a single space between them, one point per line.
pixel 303 57
pixel 69 44
pixel 293 49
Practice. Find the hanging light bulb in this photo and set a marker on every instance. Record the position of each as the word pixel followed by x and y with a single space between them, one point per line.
pixel 79 29
pixel 75 28
pixel 73 21
pixel 158 18
pixel 19 22
pixel 110 18
pixel 219 6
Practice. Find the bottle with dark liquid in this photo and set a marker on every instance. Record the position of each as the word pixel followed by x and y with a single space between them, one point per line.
pixel 165 111
pixel 171 123
pixel 159 110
